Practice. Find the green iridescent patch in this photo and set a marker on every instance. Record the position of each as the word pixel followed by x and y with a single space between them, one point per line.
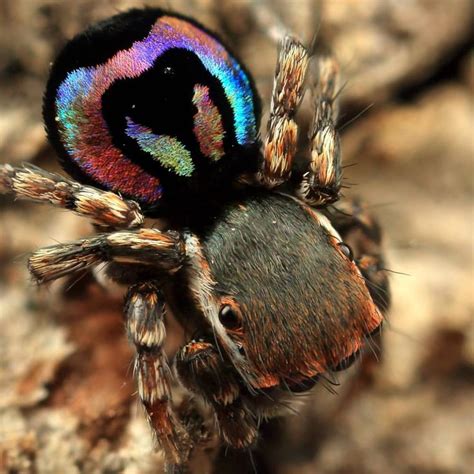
pixel 169 151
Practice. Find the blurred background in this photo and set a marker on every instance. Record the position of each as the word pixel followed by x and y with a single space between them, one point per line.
pixel 67 397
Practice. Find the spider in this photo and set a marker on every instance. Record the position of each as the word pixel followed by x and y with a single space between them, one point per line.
pixel 154 117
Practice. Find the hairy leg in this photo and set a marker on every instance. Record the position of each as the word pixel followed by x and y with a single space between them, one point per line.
pixel 159 252
pixel 104 208
pixel 320 183
pixel 144 315
pixel 282 133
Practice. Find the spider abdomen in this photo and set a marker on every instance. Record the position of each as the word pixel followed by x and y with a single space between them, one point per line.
pixel 151 105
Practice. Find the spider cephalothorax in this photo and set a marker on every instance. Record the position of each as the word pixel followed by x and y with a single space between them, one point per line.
pixel 149 106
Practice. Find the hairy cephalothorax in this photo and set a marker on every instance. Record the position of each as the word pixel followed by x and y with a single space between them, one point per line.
pixel 155 117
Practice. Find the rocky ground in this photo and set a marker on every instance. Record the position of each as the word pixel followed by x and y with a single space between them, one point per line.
pixel 67 397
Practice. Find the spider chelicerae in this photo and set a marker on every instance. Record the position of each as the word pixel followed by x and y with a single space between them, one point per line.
pixel 273 284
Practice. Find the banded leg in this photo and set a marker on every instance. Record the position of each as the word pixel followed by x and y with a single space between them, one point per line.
pixel 321 181
pixel 150 249
pixel 105 208
pixel 282 133
pixel 144 313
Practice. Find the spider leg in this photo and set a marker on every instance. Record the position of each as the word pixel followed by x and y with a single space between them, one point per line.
pixel 361 231
pixel 156 254
pixel 159 252
pixel 320 183
pixel 144 314
pixel 105 208
pixel 282 131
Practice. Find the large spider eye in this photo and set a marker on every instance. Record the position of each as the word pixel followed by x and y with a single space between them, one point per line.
pixel 229 318
pixel 346 250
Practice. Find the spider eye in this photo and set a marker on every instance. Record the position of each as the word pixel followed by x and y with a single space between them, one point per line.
pixel 229 318
pixel 346 250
